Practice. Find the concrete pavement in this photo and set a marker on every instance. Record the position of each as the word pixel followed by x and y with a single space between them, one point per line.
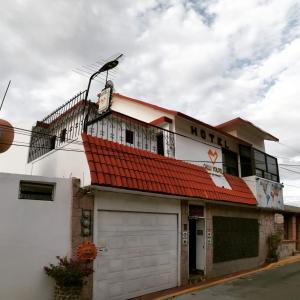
pixel 281 282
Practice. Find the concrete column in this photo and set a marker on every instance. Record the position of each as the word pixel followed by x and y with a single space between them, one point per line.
pixel 81 200
pixel 293 228
pixel 298 233
pixel 184 259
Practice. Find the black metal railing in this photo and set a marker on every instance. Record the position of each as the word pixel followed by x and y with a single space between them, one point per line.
pixel 128 131
pixel 61 126
pixel 66 123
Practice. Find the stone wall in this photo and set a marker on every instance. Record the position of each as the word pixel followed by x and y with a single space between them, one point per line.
pixel 184 269
pixel 286 248
pixel 266 226
pixel 82 199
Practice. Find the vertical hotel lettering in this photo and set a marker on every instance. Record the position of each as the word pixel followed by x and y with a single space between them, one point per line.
pixel 209 137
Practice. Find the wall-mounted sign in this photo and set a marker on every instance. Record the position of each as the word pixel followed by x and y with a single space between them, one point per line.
pixel 212 168
pixel 104 100
pixel 209 137
pixel 86 252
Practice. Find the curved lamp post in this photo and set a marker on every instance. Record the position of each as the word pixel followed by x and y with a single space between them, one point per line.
pixel 105 68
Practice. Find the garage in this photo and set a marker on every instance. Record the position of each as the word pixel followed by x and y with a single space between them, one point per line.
pixel 138 253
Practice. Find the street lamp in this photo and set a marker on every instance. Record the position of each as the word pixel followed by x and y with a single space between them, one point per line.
pixel 105 68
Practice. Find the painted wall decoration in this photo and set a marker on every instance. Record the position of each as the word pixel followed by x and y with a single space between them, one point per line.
pixel 211 166
pixel 269 193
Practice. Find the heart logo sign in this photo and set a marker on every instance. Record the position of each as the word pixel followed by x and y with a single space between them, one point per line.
pixel 213 156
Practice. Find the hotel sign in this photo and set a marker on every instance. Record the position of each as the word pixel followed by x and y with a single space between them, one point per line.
pixel 213 168
pixel 209 137
pixel 104 100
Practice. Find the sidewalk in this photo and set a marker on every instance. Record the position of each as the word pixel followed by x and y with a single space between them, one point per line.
pixel 174 292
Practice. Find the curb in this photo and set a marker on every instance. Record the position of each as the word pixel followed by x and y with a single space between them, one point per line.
pixel 280 263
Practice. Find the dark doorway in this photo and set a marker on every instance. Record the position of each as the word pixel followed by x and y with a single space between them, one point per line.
pixel 192 246
pixel 160 143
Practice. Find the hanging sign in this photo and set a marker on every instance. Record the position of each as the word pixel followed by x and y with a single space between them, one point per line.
pixel 104 100
pixel 86 252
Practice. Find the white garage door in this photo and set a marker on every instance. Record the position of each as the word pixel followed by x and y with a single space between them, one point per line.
pixel 139 254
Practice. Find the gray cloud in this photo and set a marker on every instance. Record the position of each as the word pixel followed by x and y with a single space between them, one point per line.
pixel 214 60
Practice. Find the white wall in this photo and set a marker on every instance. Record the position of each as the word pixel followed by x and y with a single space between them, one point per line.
pixel 63 163
pixel 138 111
pixel 251 137
pixel 32 233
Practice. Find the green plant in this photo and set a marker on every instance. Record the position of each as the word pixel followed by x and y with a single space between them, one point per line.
pixel 273 242
pixel 68 272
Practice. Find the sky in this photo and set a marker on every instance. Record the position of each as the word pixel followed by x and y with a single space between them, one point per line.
pixel 212 59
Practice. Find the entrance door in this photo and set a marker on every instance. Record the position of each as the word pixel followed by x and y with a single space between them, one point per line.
pixel 196 245
pixel 200 244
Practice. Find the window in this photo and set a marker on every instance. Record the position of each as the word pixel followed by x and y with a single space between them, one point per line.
pixel 234 238
pixel 246 161
pixel 52 142
pixel 36 191
pixel 129 136
pixel 266 166
pixel 63 134
pixel 160 143
pixel 230 162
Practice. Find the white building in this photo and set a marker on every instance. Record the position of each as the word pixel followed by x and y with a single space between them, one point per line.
pixel 164 187
pixel 35 227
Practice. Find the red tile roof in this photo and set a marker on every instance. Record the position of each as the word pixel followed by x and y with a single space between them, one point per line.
pixel 236 121
pixel 115 165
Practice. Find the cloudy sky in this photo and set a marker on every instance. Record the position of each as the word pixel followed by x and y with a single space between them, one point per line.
pixel 214 60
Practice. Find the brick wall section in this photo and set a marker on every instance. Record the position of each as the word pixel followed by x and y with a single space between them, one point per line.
pixel 81 200
pixel 184 268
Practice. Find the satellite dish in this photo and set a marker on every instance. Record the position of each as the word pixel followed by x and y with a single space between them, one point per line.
pixel 6 135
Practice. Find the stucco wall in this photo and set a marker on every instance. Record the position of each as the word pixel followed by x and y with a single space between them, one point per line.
pixel 286 248
pixel 63 163
pixel 138 111
pixel 266 226
pixel 32 233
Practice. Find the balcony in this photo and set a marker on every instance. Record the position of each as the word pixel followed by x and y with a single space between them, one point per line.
pixel 128 131
pixel 268 193
pixel 65 125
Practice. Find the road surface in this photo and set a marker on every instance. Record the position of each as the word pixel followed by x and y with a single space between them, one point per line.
pixel 281 283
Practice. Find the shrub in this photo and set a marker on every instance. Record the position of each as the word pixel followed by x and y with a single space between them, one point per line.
pixel 68 272
pixel 273 242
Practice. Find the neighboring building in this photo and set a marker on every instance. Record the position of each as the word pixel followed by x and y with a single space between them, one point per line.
pixel 173 198
pixel 35 227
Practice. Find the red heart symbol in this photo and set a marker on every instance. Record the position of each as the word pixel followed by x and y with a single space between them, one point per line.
pixel 213 156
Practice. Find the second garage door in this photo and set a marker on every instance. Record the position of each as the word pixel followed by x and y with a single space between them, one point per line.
pixel 138 254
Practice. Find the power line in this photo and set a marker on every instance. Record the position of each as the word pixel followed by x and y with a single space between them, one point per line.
pixel 27 132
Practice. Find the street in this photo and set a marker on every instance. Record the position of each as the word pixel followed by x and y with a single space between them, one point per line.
pixel 278 283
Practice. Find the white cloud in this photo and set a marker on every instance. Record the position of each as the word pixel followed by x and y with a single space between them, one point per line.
pixel 214 60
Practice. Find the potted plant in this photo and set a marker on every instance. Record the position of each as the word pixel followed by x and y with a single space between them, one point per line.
pixel 69 276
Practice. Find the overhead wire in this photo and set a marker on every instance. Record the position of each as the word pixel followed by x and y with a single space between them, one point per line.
pixel 27 132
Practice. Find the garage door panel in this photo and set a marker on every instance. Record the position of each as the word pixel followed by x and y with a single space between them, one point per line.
pixel 137 267
pixel 141 254
pixel 137 239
